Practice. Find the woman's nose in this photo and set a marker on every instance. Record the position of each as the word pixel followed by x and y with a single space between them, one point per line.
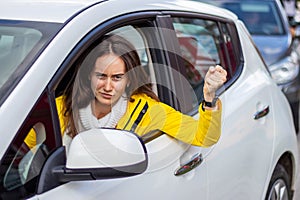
pixel 108 85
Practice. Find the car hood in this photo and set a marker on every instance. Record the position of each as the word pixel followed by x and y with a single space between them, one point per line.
pixel 272 48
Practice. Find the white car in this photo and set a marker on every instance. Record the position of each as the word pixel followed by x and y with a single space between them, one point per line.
pixel 41 43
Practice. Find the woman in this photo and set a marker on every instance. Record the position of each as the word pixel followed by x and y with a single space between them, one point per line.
pixel 111 90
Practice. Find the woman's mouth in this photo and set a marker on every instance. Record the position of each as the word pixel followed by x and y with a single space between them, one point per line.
pixel 106 96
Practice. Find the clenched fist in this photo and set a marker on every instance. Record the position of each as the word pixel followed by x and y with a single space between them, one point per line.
pixel 214 79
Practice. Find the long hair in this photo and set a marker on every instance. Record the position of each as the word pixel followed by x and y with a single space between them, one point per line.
pixel 80 94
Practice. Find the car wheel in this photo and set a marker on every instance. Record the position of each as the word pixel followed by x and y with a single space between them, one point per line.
pixel 279 187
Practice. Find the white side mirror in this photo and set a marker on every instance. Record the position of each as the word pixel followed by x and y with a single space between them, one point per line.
pixel 106 153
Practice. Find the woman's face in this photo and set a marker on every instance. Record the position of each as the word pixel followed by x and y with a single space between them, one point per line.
pixel 108 79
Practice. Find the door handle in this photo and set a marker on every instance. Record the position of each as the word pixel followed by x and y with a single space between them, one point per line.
pixel 262 113
pixel 192 164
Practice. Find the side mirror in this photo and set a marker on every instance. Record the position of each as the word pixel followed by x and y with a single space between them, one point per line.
pixel 104 153
pixel 95 154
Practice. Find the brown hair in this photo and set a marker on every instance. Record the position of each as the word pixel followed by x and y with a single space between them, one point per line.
pixel 80 94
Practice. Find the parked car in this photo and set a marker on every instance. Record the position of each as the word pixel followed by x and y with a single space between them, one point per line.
pixel 41 43
pixel 268 24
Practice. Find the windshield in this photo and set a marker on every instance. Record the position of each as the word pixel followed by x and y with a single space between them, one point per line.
pixel 20 42
pixel 260 17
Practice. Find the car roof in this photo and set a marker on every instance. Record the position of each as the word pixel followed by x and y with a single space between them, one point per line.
pixel 61 10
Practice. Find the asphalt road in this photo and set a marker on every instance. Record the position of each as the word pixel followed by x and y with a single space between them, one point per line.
pixel 297 190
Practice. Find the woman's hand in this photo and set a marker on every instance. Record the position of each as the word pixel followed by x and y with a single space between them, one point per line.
pixel 214 79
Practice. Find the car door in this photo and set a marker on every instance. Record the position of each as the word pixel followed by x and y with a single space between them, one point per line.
pixel 240 161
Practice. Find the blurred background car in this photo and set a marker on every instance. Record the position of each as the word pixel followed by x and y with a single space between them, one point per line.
pixel 267 22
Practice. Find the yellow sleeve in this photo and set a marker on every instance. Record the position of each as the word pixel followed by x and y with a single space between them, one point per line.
pixel 203 132
pixel 210 122
pixel 60 110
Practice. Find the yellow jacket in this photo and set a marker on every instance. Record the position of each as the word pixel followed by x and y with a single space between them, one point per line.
pixel 145 114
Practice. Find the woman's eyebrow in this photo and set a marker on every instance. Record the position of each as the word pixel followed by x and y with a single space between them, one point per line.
pixel 114 75
pixel 100 74
pixel 121 74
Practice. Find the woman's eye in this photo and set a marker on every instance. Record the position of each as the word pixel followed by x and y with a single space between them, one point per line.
pixel 117 77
